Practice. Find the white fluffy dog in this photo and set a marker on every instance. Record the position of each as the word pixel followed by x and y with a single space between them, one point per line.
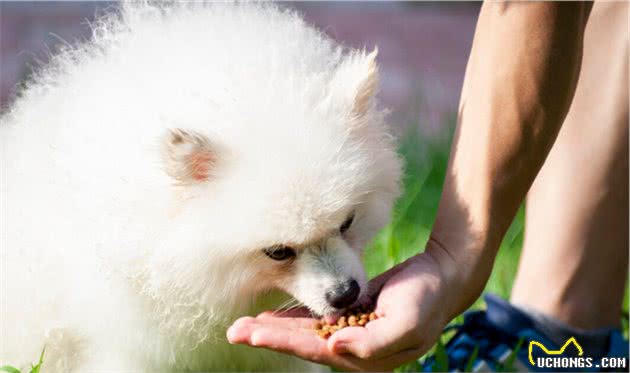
pixel 165 178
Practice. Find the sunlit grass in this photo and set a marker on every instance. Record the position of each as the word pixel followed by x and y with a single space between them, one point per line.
pixel 425 169
pixel 35 368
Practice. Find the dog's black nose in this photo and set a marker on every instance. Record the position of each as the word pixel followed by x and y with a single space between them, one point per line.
pixel 343 294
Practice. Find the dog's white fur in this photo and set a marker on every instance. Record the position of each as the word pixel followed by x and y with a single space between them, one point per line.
pixel 144 173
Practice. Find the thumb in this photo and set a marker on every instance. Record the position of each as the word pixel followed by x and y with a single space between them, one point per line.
pixel 373 341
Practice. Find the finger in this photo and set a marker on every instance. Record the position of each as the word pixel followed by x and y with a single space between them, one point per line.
pixel 379 338
pixel 283 322
pixel 313 348
pixel 286 321
pixel 306 345
pixel 293 312
pixel 242 329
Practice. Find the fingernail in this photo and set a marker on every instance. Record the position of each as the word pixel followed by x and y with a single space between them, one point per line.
pixel 340 347
pixel 231 335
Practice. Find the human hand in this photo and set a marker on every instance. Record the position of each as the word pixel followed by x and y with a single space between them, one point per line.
pixel 411 303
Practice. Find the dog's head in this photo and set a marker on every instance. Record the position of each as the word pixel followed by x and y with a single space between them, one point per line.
pixel 289 201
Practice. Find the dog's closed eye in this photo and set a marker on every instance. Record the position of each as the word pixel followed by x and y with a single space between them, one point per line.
pixel 347 224
pixel 280 252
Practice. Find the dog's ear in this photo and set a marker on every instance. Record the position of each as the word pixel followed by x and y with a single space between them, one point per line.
pixel 357 80
pixel 367 87
pixel 188 156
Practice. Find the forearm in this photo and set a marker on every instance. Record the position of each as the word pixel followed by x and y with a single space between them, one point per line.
pixel 519 83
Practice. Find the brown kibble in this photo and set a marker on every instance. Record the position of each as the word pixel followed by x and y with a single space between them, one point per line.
pixel 355 317
pixel 323 334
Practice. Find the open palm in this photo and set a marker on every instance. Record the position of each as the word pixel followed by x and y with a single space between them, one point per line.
pixel 411 317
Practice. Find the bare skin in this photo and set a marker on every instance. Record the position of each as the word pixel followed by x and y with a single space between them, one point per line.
pixel 520 82
pixel 577 209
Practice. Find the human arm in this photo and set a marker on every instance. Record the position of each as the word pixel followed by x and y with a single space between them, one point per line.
pixel 520 81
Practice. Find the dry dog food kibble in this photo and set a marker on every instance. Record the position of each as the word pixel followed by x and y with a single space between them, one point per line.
pixel 350 318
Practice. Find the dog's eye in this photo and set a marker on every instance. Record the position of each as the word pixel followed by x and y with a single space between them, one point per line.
pixel 346 224
pixel 280 252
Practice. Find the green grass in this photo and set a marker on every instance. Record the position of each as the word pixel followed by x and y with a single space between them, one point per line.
pixel 425 169
pixel 407 234
pixel 34 367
